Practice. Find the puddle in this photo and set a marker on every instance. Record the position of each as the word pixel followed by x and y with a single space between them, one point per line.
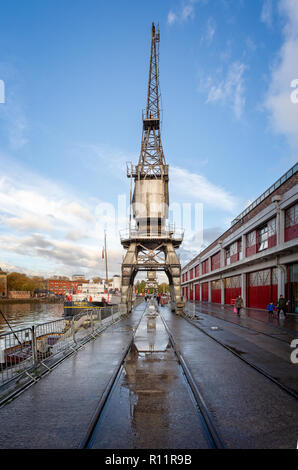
pixel 151 335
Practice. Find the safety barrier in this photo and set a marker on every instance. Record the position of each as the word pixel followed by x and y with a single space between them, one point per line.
pixel 16 353
pixel 190 309
pixel 25 349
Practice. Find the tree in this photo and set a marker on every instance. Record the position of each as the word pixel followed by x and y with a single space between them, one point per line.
pixel 163 288
pixel 140 287
pixel 19 281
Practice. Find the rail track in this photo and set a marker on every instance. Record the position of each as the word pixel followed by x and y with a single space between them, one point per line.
pixel 283 330
pixel 208 427
pixel 254 366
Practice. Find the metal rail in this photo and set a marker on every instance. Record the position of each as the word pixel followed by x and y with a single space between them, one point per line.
pixel 50 344
pixel 258 369
pixel 208 422
pixel 86 441
pixel 212 435
pixel 247 327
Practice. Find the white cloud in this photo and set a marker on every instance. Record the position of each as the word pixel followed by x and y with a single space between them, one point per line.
pixel 46 229
pixel 198 188
pixel 171 17
pixel 230 90
pixel 210 30
pixel 284 113
pixel 27 223
pixel 267 13
pixel 185 12
pixel 45 225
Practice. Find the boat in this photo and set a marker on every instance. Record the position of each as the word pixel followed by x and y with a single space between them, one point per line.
pixel 91 295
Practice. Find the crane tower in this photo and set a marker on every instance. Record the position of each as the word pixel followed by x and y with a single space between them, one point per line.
pixel 151 242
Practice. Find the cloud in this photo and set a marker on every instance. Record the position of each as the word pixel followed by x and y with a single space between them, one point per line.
pixel 195 245
pixel 46 225
pixel 267 13
pixel 185 12
pixel 171 18
pixel 283 112
pixel 75 235
pixel 79 211
pixel 231 90
pixel 27 223
pixel 198 188
pixel 210 31
pixel 47 229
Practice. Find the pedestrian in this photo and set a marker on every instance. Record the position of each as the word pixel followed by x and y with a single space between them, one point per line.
pixel 270 308
pixel 281 306
pixel 239 304
pixel 158 298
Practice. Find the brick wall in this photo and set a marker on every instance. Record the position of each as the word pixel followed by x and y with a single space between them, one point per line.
pixel 18 294
pixel 290 183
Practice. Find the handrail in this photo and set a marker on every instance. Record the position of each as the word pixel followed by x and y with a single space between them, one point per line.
pixel 267 193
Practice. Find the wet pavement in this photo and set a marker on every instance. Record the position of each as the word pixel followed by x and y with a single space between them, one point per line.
pixel 249 410
pixel 150 407
pixel 271 354
pixel 56 412
pixel 254 318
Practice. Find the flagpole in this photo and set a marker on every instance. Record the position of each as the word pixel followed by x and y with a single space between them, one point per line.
pixel 106 257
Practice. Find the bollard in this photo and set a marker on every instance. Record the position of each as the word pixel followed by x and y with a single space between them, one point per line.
pixel 33 345
pixel 92 322
pixel 73 330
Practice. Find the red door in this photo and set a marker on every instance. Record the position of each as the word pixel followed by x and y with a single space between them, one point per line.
pixel 262 288
pixel 205 292
pixel 197 293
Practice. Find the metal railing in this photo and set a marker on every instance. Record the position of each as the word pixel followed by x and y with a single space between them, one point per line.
pixel 23 350
pixel 267 193
pixel 16 353
pixel 170 232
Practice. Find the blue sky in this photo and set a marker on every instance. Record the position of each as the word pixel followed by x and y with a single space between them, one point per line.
pixel 75 75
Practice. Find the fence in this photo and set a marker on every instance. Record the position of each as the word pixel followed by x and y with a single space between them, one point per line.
pixel 25 349
pixel 190 309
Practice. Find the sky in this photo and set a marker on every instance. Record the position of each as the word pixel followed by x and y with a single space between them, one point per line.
pixel 73 83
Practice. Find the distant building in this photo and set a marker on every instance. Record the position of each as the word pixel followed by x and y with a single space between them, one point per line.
pixel 116 283
pixel 3 284
pixel 61 287
pixel 257 257
pixel 78 277
pixel 19 294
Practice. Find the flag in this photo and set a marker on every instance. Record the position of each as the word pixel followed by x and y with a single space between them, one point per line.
pixel 103 254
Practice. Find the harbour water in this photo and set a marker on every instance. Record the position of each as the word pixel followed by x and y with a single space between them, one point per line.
pixel 23 315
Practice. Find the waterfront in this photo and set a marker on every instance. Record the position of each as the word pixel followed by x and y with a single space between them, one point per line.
pixel 23 315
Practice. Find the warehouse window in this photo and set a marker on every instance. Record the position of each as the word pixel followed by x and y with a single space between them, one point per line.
pixel 267 235
pixel 263 238
pixel 291 223
pixel 251 239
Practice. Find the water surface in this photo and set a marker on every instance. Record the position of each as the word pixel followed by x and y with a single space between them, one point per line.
pixel 23 315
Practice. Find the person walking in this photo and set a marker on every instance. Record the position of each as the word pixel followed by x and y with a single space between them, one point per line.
pixel 281 306
pixel 239 304
pixel 270 308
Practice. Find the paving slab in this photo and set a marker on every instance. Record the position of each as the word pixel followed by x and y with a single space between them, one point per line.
pixel 249 410
pixel 55 412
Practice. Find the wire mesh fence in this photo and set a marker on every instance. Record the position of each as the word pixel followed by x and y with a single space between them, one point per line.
pixel 16 353
pixel 24 349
